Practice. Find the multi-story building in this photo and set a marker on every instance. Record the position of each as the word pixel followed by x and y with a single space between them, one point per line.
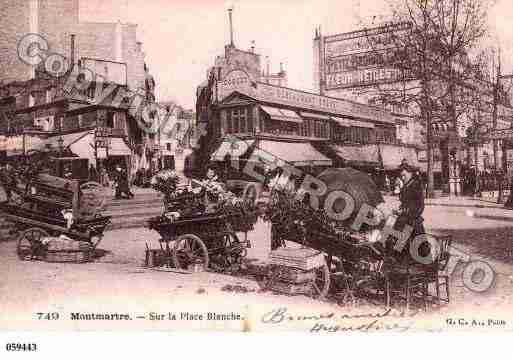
pixel 346 66
pixel 115 85
pixel 300 128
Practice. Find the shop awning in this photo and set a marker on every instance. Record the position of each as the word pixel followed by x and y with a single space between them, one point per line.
pixel 345 122
pixel 281 114
pixel 232 147
pixel 392 156
pixel 67 141
pixel 359 155
pixel 118 147
pixel 314 115
pixel 295 153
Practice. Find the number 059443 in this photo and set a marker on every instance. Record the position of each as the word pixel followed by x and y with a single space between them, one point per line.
pixel 21 347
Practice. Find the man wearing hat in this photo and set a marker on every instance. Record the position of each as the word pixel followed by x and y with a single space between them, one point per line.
pixel 121 183
pixel 412 204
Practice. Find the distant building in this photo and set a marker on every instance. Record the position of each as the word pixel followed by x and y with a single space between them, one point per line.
pixel 106 104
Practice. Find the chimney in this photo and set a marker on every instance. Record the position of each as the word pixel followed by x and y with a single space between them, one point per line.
pixel 268 65
pixel 72 54
pixel 281 68
pixel 253 46
pixel 231 26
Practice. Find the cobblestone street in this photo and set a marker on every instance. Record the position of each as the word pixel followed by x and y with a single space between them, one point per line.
pixel 118 282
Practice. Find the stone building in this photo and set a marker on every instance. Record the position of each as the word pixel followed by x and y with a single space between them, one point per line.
pixel 105 93
pixel 56 21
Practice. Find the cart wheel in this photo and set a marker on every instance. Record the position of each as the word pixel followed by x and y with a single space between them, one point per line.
pixel 29 243
pixel 189 249
pixel 321 284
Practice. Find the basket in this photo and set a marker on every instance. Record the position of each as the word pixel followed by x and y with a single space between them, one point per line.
pixel 71 252
pixel 68 256
pixel 155 258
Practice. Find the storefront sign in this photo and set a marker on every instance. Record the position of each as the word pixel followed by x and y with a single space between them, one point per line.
pixel 282 95
pixel 239 80
pixel 15 143
pixel 505 134
pixel 102 142
pixel 235 80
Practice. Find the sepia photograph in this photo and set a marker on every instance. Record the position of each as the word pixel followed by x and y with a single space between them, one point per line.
pixel 331 166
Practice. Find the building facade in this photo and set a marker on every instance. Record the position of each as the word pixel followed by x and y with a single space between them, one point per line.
pixel 104 90
pixel 347 66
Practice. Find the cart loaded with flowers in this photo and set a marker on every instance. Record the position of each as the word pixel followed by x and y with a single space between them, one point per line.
pixel 348 258
pixel 200 224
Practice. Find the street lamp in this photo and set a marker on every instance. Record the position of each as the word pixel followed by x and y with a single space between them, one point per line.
pixel 60 143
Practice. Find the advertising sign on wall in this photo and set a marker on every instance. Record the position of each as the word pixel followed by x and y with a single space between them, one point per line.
pixel 115 72
pixel 362 58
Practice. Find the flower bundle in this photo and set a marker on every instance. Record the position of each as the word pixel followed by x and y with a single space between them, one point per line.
pixel 291 214
pixel 166 183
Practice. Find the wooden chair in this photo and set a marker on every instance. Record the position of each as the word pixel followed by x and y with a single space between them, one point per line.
pixel 411 280
pixel 441 277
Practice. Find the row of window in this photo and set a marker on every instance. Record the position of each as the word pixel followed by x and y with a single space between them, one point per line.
pixel 240 120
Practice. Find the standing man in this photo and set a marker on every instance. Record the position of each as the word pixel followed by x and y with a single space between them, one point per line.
pixel 8 180
pixel 412 207
pixel 121 183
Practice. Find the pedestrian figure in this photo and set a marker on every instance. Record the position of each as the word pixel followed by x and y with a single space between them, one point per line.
pixel 93 174
pixel 509 201
pixel 121 183
pixel 398 185
pixel 8 180
pixel 410 211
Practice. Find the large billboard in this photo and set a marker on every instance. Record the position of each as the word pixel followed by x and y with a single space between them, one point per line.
pixel 110 71
pixel 362 58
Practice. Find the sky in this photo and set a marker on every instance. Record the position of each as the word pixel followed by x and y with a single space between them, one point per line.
pixel 181 38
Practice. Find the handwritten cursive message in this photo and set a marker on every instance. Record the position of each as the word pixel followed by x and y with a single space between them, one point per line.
pixel 386 320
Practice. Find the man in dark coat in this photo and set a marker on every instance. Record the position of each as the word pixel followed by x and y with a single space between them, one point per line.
pixel 121 183
pixel 8 180
pixel 412 206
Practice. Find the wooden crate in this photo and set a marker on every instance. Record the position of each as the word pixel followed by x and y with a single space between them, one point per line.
pixel 292 275
pixel 290 288
pixel 302 258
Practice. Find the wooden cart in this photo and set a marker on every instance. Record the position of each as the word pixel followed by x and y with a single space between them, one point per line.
pixel 37 212
pixel 207 240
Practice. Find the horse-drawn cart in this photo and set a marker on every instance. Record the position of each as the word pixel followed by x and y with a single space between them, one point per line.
pixel 45 207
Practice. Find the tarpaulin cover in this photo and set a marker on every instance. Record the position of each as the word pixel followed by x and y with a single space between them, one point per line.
pixel 358 185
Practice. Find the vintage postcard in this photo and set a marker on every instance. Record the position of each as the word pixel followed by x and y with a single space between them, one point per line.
pixel 256 166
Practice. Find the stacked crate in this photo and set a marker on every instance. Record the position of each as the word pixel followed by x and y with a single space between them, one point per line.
pixel 293 269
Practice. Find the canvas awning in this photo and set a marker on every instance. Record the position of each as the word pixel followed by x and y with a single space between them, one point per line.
pixel 345 122
pixel 281 114
pixel 314 115
pixel 295 153
pixel 67 141
pixel 392 156
pixel 232 147
pixel 359 155
pixel 118 147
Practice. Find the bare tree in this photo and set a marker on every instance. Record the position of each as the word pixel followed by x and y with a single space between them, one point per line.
pixel 431 44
